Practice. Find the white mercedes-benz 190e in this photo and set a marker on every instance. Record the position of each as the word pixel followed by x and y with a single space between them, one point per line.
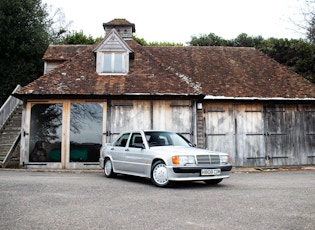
pixel 164 157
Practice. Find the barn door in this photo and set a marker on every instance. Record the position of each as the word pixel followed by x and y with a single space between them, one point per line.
pixel 127 115
pixel 238 130
pixel 290 134
pixel 219 129
pixel 307 152
pixel 262 135
pixel 249 135
pixel 176 115
pixel 280 129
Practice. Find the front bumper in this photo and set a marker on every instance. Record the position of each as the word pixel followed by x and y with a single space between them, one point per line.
pixel 194 173
pixel 198 169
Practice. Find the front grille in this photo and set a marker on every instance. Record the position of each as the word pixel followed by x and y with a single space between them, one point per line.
pixel 208 159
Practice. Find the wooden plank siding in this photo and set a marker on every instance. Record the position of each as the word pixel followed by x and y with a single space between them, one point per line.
pixel 173 115
pixel 261 135
pixel 249 135
pixel 127 115
pixel 290 130
pixel 307 140
pixel 280 122
pixel 219 128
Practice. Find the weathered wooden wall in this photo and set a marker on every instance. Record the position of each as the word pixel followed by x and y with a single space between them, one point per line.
pixel 171 115
pixel 257 134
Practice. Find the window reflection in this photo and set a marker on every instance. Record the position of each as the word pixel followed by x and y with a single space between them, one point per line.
pixel 45 133
pixel 85 132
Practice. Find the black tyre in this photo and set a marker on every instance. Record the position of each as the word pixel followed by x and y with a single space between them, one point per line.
pixel 159 175
pixel 108 168
pixel 213 182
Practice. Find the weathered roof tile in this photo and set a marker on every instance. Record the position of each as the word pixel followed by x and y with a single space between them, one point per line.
pixel 62 52
pixel 213 71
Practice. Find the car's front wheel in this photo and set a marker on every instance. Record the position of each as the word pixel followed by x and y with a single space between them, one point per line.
pixel 108 168
pixel 214 181
pixel 159 175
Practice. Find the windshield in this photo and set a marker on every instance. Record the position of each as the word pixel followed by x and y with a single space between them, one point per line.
pixel 165 139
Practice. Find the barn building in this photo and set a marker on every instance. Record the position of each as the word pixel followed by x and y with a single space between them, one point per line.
pixel 230 99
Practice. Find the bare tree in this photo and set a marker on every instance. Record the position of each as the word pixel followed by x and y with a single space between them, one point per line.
pixel 307 25
pixel 57 26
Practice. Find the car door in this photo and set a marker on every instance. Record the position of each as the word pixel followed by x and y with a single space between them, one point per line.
pixel 136 158
pixel 117 151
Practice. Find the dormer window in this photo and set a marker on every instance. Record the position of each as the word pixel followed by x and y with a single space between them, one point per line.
pixel 112 55
pixel 115 63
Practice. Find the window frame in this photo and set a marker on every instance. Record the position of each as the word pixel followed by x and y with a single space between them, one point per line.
pixel 112 70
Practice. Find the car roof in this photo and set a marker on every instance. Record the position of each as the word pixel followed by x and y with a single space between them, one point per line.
pixel 140 130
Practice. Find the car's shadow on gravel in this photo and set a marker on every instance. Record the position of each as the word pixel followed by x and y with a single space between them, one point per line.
pixel 176 185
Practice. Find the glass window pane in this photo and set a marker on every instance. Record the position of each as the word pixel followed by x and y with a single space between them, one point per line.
pixel 118 63
pixel 122 141
pixel 86 131
pixel 45 133
pixel 107 64
pixel 136 138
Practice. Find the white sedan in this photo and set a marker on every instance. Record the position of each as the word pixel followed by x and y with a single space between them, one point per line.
pixel 164 157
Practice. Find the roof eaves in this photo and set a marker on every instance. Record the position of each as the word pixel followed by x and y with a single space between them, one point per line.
pixel 210 97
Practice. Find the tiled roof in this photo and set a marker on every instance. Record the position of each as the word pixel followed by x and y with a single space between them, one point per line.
pixel 62 52
pixel 234 72
pixel 213 71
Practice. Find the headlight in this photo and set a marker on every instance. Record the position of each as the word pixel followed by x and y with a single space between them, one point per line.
pixel 183 160
pixel 225 159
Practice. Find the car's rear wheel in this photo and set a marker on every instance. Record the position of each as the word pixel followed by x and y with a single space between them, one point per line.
pixel 159 175
pixel 212 182
pixel 108 168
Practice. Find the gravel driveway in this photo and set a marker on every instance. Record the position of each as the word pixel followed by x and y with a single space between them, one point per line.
pixel 88 200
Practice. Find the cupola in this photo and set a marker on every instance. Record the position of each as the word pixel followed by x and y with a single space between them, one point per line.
pixel 122 26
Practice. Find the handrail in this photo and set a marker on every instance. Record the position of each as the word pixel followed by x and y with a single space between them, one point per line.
pixel 8 107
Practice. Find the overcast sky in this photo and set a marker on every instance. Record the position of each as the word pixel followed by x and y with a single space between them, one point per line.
pixel 178 20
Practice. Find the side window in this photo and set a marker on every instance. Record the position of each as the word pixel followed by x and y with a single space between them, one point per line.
pixel 136 138
pixel 122 141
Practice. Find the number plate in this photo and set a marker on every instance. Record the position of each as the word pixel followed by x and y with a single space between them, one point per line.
pixel 210 172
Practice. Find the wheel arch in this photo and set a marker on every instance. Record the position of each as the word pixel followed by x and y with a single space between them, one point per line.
pixel 105 158
pixel 149 173
pixel 159 174
pixel 157 159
